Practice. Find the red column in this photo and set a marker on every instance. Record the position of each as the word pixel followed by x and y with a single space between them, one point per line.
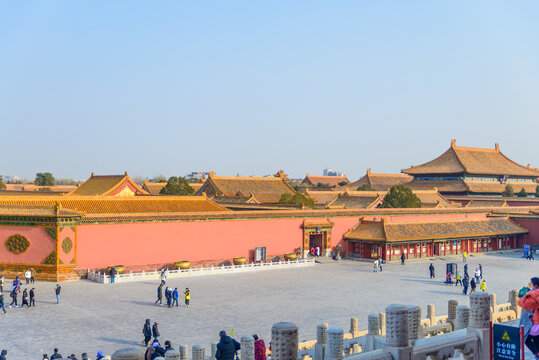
pixel 407 250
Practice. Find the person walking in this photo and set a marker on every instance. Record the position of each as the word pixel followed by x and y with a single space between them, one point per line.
pixel 465 284
pixel 483 286
pixel 1 283
pixel 227 347
pixel 32 297
pixel 477 273
pixel 403 257
pixel 480 271
pixel 464 255
pixel 147 332
pixel 260 348
pixel 168 296
pixel 431 271
pixel 159 294
pixel 25 298
pixel 155 332
pixel 57 291
pixel 28 276
pixel 163 276
pixel 175 296
pixel 2 302
pixel 187 297
pixel 459 279
pixel 13 296
pixel 529 303
pixel 112 274
pixel 380 262
pixel 532 251
pixel 473 284
pixel 375 266
pixel 33 276
pixel 466 270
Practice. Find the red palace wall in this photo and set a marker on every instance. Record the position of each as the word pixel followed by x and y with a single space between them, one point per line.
pixel 533 226
pixel 41 244
pixel 101 245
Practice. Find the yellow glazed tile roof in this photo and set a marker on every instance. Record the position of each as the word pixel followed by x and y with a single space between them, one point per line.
pixel 330 180
pixel 379 181
pixel 105 184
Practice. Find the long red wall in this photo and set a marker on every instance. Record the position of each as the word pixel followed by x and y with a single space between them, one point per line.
pixel 533 226
pixel 41 244
pixel 101 245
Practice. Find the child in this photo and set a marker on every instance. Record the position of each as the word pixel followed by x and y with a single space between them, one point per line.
pixel 187 297
pixel 483 285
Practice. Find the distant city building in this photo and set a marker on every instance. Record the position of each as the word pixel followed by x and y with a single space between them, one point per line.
pixel 199 175
pixel 330 172
pixel 326 181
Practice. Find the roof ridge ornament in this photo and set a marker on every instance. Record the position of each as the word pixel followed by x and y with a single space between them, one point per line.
pixel 453 143
pixel 497 147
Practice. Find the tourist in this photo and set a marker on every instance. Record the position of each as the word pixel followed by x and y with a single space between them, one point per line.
pixel 46 357
pixel 1 283
pixel 175 296
pixel 459 279
pixel 159 352
pixel 25 298
pixel 464 255
pixel 56 354
pixel 57 291
pixel 403 257
pixel 147 331
pixel 465 284
pixel 318 251
pixel 380 262
pixel 18 284
pixel 3 355
pixel 99 355
pixel 112 273
pixel 431 271
pixel 312 251
pixel 150 350
pixel 530 303
pixel 32 297
pixel 477 273
pixel 73 357
pixel 187 297
pixel 375 266
pixel 33 276
pixel 227 347
pixel 260 348
pixel 168 296
pixel 473 284
pixel 448 279
pixel 483 286
pixel 163 275
pixel 532 251
pixel 159 294
pixel 168 345
pixel 13 296
pixel 480 271
pixel 84 356
pixel 2 302
pixel 155 331
pixel 466 270
pixel 27 276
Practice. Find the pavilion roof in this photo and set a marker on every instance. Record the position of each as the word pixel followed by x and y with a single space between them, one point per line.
pixel 395 231
pixel 103 185
pixel 379 181
pixel 487 203
pixel 365 200
pixel 264 189
pixel 153 188
pixel 323 196
pixel 36 188
pixel 329 180
pixel 467 186
pixel 479 161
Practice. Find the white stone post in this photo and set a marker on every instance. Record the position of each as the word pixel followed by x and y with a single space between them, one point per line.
pixel 334 349
pixel 284 341
pixel 321 341
pixel 128 354
pixel 452 312
pixel 373 324
pixel 172 355
pixel 354 328
pixel 493 304
pixel 463 317
pixel 397 337
pixel 213 349
pixel 513 298
pixel 382 323
pixel 431 314
pixel 480 321
pixel 414 322
pixel 184 352
pixel 198 352
pixel 247 347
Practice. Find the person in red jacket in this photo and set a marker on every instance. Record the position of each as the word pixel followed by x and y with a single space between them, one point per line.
pixel 260 348
pixel 530 302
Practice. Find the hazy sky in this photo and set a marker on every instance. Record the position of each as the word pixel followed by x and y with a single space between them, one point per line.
pixel 250 87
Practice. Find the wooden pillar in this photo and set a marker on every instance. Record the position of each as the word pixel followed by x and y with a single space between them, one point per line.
pixel 407 250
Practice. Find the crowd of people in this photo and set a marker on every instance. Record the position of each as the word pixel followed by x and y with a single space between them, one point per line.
pixel 465 280
pixel 28 296
pixel 172 295
pixel 57 355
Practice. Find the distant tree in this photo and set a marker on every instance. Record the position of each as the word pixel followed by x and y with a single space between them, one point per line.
pixel 321 185
pixel 177 186
pixel 400 196
pixel 508 192
pixel 2 185
pixel 343 183
pixel 65 182
pixel 522 193
pixel 45 188
pixel 159 179
pixel 537 191
pixel 44 179
pixel 297 199
pixel 365 187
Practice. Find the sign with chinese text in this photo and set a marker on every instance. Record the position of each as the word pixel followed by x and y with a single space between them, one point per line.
pixel 506 342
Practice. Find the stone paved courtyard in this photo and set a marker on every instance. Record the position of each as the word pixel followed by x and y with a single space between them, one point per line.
pixel 95 317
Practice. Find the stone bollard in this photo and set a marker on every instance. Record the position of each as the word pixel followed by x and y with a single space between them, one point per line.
pixel 374 324
pixel 184 352
pixel 452 312
pixel 382 324
pixel 414 322
pixel 247 347
pixel 397 338
pixel 213 349
pixel 513 298
pixel 198 352
pixel 172 355
pixel 463 317
pixel 493 305
pixel 354 328
pixel 334 348
pixel 284 341
pixel 128 354
pixel 321 341
pixel 431 315
pixel 480 321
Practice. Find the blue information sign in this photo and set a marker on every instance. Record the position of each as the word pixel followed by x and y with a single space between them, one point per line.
pixel 506 342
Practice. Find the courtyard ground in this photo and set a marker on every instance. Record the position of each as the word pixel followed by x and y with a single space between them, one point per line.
pixel 95 317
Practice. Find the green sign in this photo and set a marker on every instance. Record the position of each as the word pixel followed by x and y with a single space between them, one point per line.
pixel 506 342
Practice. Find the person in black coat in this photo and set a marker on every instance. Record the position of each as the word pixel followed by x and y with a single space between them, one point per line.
pixel 159 295
pixel 25 298
pixel 147 331
pixel 403 257
pixel 155 331
pixel 32 297
pixel 431 269
pixel 227 347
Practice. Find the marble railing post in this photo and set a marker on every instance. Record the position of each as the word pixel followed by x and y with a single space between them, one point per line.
pixel 213 349
pixel 480 321
pixel 354 328
pixel 493 302
pixel 463 317
pixel 198 352
pixel 284 341
pixel 414 322
pixel 431 315
pixel 128 354
pixel 374 324
pixel 184 352
pixel 334 348
pixel 513 298
pixel 247 347
pixel 321 341
pixel 452 312
pixel 397 335
pixel 382 324
pixel 172 355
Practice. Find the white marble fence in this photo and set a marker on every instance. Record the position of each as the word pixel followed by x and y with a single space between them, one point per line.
pixel 199 271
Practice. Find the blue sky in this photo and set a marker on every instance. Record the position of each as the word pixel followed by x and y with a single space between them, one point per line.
pixel 252 87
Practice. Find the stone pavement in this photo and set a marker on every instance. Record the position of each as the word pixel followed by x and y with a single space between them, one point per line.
pixel 95 317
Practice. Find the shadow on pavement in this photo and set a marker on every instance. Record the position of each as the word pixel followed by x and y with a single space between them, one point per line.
pixel 119 341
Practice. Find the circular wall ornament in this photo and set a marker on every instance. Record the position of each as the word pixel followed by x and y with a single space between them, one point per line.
pixel 17 244
pixel 67 244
